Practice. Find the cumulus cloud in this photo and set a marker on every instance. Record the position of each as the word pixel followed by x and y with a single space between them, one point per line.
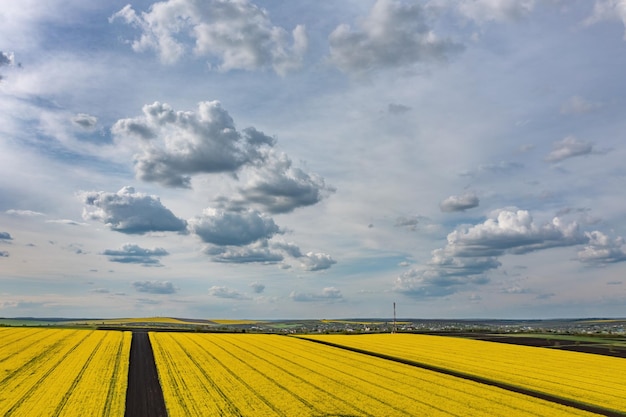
pixel 225 292
pixel 410 222
pixel 257 252
pixel 459 202
pixel 4 254
pixel 495 10
pixel 178 144
pixel 473 251
pixel 85 121
pixel 512 231
pixel 155 287
pixel 257 287
pixel 328 294
pixel 578 105
pixel 279 187
pixel 316 261
pixel 5 236
pixel 129 212
pixel 394 34
pixel 221 227
pixel 134 254
pixel 570 147
pixel 608 10
pixel 601 249
pixel 233 34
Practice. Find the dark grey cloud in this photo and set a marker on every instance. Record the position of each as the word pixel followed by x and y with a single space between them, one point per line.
pixel 4 254
pixel 398 108
pixel 394 34
pixel 225 292
pixel 571 147
pixel 85 121
pixel 328 294
pixel 177 144
pixel 6 58
pixel 5 236
pixel 154 287
pixel 232 35
pixel 602 250
pixel 221 227
pixel 459 202
pixel 278 186
pixel 129 212
pixel 134 254
pixel 257 287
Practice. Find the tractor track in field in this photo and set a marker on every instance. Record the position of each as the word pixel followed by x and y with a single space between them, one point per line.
pixel 144 396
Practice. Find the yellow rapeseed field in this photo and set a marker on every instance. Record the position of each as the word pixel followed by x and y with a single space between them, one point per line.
pixel 592 379
pixel 272 375
pixel 61 372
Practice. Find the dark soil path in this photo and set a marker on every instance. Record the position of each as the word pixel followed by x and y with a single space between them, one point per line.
pixel 144 397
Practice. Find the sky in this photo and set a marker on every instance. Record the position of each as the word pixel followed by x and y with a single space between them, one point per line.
pixel 305 159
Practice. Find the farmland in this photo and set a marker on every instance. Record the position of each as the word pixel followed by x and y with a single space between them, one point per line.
pixel 591 379
pixel 60 372
pixel 67 372
pixel 268 375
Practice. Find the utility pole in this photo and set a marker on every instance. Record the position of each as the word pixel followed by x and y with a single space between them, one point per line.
pixel 395 328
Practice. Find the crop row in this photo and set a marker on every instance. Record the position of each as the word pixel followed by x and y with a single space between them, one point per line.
pixel 591 379
pixel 270 375
pixel 62 372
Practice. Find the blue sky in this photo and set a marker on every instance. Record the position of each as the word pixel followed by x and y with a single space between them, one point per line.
pixel 308 159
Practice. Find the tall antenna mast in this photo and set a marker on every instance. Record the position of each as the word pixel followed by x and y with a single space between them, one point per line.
pixel 395 329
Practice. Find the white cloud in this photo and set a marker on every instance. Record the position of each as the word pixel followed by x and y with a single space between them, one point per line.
pixel 177 144
pixel 129 212
pixel 24 213
pixel 221 227
pixel 602 250
pixel 328 294
pixel 473 251
pixel 316 261
pixel 134 254
pixel 225 292
pixel 395 34
pixel 233 34
pixel 570 147
pixel 495 10
pixel 155 287
pixel 608 10
pixel 459 202
pixel 257 252
pixel 578 105
pixel 511 231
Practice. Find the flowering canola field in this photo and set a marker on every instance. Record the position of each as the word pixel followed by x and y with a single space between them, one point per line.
pixel 271 375
pixel 61 372
pixel 592 379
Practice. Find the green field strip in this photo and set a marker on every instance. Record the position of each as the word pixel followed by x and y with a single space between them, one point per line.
pixel 487 381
